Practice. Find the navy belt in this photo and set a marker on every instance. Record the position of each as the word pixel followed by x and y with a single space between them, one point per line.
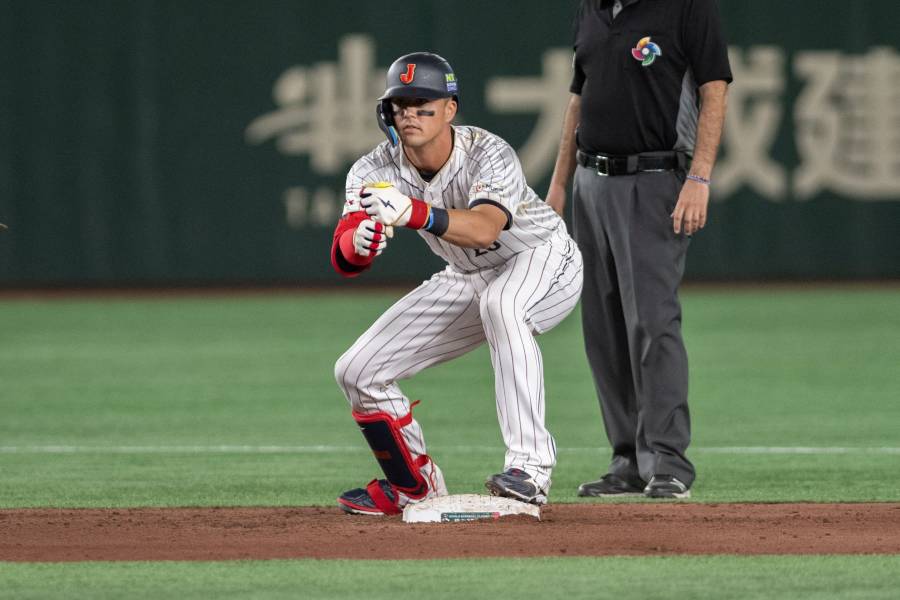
pixel 635 163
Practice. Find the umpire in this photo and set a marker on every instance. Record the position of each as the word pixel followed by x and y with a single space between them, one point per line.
pixel 640 135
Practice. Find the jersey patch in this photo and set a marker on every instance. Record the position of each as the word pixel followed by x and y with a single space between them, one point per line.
pixel 351 205
pixel 483 187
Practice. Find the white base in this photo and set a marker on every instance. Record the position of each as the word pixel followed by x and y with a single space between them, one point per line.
pixel 466 507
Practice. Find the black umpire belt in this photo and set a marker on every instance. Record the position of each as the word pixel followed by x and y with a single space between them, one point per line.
pixel 635 163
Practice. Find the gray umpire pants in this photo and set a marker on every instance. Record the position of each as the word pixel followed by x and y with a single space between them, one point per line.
pixel 633 265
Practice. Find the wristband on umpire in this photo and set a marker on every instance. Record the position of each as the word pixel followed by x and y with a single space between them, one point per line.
pixel 698 179
pixel 438 221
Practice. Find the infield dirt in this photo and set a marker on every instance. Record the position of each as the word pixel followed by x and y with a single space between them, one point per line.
pixel 565 530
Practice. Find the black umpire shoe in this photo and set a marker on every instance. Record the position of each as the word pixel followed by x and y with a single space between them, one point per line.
pixel 612 485
pixel 666 486
pixel 516 484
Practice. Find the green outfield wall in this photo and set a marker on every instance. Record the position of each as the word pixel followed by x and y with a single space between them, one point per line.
pixel 207 141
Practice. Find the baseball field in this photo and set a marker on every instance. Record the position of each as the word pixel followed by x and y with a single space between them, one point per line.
pixel 192 446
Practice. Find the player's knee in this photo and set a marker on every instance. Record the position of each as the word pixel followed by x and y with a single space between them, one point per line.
pixel 342 372
pixel 490 307
pixel 495 310
pixel 354 379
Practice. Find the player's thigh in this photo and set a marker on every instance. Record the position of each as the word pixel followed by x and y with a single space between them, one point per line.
pixel 562 292
pixel 538 287
pixel 435 322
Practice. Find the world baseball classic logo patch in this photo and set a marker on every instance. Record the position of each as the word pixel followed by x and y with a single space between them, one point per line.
pixel 646 51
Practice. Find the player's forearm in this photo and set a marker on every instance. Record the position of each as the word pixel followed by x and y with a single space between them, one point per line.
pixel 565 158
pixel 478 227
pixel 473 228
pixel 713 101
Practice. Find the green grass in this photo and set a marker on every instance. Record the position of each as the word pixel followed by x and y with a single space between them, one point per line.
pixel 124 382
pixel 697 578
pixel 785 368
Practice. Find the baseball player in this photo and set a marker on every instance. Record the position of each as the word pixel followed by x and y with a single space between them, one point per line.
pixel 512 272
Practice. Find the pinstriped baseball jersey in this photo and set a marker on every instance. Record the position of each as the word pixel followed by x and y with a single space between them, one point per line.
pixel 482 168
pixel 523 285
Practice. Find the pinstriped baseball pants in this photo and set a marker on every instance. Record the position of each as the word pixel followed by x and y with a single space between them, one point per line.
pixel 453 313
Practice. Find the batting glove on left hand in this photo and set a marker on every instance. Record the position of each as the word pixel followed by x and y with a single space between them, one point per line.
pixel 370 238
pixel 389 206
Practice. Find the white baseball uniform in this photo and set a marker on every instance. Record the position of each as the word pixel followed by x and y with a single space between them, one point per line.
pixel 523 285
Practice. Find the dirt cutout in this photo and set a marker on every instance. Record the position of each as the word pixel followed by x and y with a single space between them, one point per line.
pixel 565 530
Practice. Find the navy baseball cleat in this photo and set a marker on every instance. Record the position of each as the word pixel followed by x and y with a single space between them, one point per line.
pixel 666 486
pixel 369 500
pixel 516 484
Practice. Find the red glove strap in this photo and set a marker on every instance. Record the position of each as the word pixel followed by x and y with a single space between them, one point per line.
pixel 349 252
pixel 419 216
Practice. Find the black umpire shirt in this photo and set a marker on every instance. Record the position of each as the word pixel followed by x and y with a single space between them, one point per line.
pixel 638 74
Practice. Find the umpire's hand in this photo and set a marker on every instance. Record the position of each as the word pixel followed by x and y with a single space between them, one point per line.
pixel 690 211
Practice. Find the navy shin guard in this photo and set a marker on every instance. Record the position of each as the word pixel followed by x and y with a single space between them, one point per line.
pixel 382 431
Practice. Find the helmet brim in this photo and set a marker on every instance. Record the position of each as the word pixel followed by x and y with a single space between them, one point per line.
pixel 407 91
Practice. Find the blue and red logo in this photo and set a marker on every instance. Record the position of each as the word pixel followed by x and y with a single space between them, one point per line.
pixel 646 52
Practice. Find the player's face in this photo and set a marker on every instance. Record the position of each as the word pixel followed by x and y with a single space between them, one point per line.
pixel 419 120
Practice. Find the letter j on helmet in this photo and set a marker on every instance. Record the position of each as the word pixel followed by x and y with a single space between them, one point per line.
pixel 410 74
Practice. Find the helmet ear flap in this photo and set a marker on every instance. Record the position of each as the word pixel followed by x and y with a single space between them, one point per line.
pixel 385 115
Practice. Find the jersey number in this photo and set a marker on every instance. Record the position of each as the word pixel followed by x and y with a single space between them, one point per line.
pixel 482 252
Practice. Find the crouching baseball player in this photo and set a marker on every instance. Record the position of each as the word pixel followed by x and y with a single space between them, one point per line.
pixel 513 272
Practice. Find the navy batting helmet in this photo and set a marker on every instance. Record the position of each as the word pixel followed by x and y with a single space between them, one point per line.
pixel 416 75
